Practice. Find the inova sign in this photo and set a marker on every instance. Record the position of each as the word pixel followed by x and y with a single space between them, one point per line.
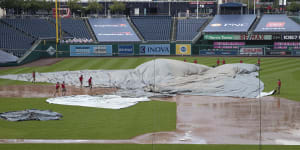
pixel 155 49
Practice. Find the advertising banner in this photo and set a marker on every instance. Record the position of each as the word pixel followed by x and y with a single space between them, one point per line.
pixel 243 37
pixel 125 49
pixel 155 49
pixel 290 37
pixel 183 49
pixel 230 23
pixel 113 30
pixel 221 37
pixel 287 45
pixel 251 51
pixel 228 45
pixel 279 53
pixel 218 52
pixel 297 53
pixel 90 50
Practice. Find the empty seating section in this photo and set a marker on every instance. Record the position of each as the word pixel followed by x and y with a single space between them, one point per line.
pixel 154 28
pixel 39 28
pixel 76 28
pixel 14 39
pixel 187 29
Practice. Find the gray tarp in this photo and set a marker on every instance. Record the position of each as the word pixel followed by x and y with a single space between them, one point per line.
pixel 168 76
pixel 30 114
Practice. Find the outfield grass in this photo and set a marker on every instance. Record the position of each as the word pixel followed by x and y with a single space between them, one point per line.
pixel 88 123
pixel 141 147
pixel 287 69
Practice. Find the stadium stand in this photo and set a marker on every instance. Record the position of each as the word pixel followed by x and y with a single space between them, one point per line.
pixel 230 24
pixel 276 24
pixel 14 39
pixel 187 29
pixel 6 57
pixel 39 28
pixel 75 27
pixel 113 30
pixel 154 28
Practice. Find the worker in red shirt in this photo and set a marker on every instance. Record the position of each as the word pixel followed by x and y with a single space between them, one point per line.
pixel 195 61
pixel 90 83
pixel 218 62
pixel 33 76
pixel 57 88
pixel 258 61
pixel 278 86
pixel 63 89
pixel 241 61
pixel 81 79
pixel 223 62
pixel 184 60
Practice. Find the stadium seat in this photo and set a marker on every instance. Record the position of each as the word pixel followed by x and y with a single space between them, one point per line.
pixel 154 28
pixel 187 29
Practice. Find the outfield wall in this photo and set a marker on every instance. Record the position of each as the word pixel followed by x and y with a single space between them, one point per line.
pixel 47 49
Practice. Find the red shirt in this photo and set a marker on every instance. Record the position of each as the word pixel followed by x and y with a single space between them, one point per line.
pixel 279 83
pixel 223 62
pixel 90 80
pixel 195 61
pixel 57 86
pixel 258 61
pixel 80 78
pixel 63 86
pixel 218 62
pixel 241 61
pixel 33 74
pixel 184 60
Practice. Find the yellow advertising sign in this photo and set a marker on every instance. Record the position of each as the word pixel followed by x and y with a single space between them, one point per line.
pixel 183 49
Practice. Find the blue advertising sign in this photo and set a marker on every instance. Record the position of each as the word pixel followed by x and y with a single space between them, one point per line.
pixel 125 49
pixel 90 50
pixel 218 52
pixel 277 23
pixel 155 49
pixel 230 23
pixel 113 30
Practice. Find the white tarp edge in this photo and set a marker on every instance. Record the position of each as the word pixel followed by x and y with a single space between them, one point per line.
pixel 106 101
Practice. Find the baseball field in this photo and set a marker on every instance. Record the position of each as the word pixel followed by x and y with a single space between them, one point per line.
pixel 145 117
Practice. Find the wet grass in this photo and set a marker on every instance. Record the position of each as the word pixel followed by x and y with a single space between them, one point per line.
pixel 287 69
pixel 87 123
pixel 141 147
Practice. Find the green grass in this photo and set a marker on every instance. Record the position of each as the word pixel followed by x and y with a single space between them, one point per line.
pixel 287 69
pixel 140 147
pixel 88 123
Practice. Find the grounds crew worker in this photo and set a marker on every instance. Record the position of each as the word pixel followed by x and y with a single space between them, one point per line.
pixel 279 86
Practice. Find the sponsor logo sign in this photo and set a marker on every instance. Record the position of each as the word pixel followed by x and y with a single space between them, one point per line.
pixel 228 45
pixel 155 49
pixel 296 53
pixel 257 37
pixel 218 52
pixel 125 49
pixel 251 51
pixel 228 25
pixel 290 37
pixel 51 51
pixel 275 24
pixel 220 37
pixel 90 50
pixel 287 45
pixel 243 37
pixel 278 53
pixel 183 49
